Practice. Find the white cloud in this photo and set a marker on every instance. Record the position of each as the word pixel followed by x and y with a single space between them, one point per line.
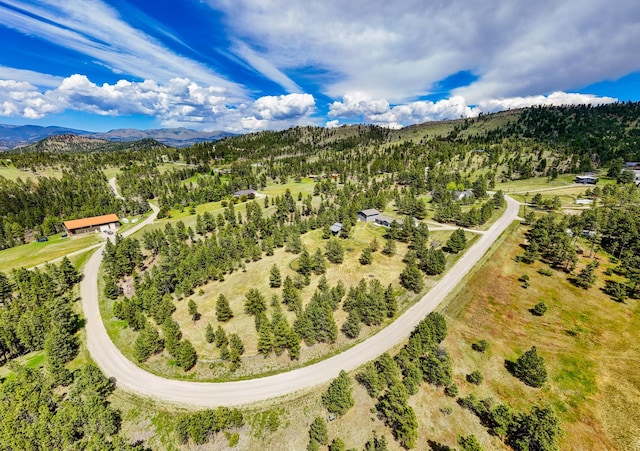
pixel 179 102
pixel 332 124
pixel 556 98
pixel 95 29
pixel 399 51
pixel 283 107
pixel 374 112
pixel 35 78
pixel 266 68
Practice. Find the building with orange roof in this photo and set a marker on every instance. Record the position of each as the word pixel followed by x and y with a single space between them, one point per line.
pixel 104 223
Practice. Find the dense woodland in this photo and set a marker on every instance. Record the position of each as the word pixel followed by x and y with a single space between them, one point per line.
pixel 355 168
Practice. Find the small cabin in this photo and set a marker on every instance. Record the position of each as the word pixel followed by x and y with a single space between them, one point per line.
pixel 368 215
pixel 336 228
pixel 249 193
pixel 386 221
pixel 586 179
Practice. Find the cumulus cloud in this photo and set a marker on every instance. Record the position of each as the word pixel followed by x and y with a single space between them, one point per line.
pixel 556 99
pixel 375 112
pixel 179 102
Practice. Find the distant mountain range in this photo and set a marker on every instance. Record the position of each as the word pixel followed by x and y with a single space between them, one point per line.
pixel 12 136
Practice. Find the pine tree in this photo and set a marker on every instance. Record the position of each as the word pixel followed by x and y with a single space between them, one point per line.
pixel 305 263
pixel 434 262
pixel 366 258
pixel 293 344
pixel 390 301
pixel 221 337
pixel 411 278
pixel 334 251
pixel 254 302
pixel 223 310
pixel 265 339
pixel 147 343
pixel 389 247
pixel 172 334
pixel 193 310
pixel 210 335
pixel 351 327
pixel 319 262
pixel 456 242
pixel 338 398
pixel 275 278
pixel 186 356
pixel 290 295
pixel 530 368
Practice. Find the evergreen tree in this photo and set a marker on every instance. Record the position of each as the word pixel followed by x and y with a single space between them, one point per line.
pixel 456 242
pixel 305 263
pixel 318 431
pixel 290 295
pixel 411 278
pixel 338 398
pixel 366 258
pixel 223 310
pixel 254 302
pixel 193 310
pixel 390 301
pixel 389 247
pixel 186 356
pixel 210 335
pixel 319 262
pixel 275 278
pixel 434 262
pixel 265 339
pixel 351 327
pixel 530 368
pixel 334 251
pixel 147 343
pixel 586 278
pixel 172 334
pixel 221 337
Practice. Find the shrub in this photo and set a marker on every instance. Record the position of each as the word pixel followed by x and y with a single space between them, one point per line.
pixel 539 309
pixel 545 272
pixel 480 345
pixel 451 390
pixel 475 378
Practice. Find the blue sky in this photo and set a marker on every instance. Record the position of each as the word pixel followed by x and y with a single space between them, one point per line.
pixel 246 65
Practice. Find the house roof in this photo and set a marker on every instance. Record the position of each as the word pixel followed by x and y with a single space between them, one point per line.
pixel 90 222
pixel 336 227
pixel 245 192
pixel 370 212
pixel 387 219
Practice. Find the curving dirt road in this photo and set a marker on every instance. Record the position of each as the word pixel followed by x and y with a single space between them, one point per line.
pixel 205 394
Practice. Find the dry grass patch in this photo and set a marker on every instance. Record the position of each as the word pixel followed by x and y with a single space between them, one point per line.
pixel 585 338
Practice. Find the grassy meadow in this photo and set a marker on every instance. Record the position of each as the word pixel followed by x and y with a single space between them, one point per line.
pixel 585 338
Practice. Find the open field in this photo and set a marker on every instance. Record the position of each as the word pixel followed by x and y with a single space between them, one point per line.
pixel 32 254
pixel 13 173
pixel 585 338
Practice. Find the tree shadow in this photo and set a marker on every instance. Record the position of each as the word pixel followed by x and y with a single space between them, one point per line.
pixel 435 446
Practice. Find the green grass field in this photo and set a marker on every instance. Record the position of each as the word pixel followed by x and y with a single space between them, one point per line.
pixel 585 338
pixel 32 254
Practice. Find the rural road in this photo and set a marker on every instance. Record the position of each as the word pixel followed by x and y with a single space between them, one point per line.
pixel 208 394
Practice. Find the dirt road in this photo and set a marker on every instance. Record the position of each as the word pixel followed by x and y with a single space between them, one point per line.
pixel 203 394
